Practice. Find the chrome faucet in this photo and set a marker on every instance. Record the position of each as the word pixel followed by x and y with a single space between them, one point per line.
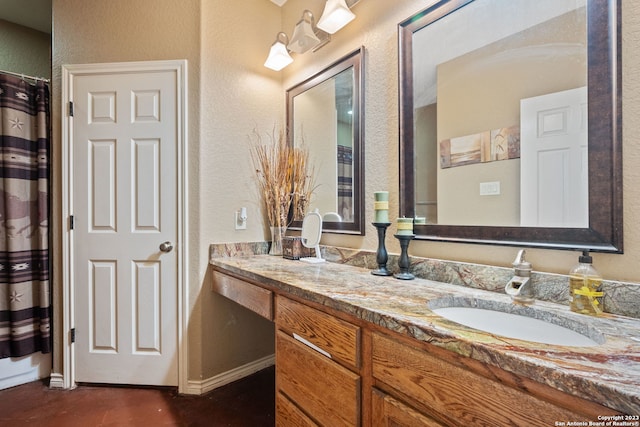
pixel 520 287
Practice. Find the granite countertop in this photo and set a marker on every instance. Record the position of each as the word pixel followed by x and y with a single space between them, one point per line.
pixel 608 373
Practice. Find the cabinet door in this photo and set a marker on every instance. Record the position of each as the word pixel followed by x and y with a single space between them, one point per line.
pixel 389 412
pixel 288 414
pixel 324 390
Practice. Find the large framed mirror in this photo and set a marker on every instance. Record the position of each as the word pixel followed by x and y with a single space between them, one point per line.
pixel 324 116
pixel 510 123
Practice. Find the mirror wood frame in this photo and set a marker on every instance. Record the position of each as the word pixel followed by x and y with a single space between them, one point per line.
pixel 352 60
pixel 604 233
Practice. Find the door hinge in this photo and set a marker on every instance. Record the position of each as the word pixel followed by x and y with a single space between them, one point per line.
pixel 72 222
pixel 70 109
pixel 73 335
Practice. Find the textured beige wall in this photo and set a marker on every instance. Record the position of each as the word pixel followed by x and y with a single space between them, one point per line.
pixel 24 50
pixel 376 29
pixel 238 95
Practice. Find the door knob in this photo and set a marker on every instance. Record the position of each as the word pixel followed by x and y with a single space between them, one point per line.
pixel 166 246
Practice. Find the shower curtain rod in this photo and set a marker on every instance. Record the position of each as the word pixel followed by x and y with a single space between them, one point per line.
pixel 24 76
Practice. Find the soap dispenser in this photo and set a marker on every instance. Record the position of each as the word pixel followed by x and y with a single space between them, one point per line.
pixel 585 287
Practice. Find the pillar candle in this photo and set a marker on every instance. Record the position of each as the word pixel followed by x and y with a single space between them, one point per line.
pixel 405 226
pixel 420 220
pixel 381 206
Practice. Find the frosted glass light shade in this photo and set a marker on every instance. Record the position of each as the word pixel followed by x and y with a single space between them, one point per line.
pixel 278 55
pixel 303 38
pixel 336 15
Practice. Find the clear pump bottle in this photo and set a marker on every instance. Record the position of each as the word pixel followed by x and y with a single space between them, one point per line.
pixel 585 287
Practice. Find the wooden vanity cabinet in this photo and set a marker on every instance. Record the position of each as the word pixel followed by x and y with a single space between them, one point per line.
pixel 317 367
pixel 336 370
pixel 411 381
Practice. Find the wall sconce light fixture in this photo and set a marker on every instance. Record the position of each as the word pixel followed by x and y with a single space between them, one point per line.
pixel 306 35
pixel 279 55
pixel 336 15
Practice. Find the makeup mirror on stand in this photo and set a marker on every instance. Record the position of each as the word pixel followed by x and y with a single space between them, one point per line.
pixel 311 232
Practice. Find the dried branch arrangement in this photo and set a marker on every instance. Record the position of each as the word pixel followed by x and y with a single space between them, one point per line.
pixel 283 176
pixel 303 182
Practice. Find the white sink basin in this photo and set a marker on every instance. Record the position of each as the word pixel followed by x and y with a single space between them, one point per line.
pixel 515 321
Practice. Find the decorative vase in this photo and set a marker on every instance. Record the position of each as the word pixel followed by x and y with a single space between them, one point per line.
pixel 277 233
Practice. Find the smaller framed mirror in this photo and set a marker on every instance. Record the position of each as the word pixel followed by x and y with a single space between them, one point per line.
pixel 324 116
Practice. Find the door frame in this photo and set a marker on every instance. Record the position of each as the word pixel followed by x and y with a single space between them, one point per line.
pixel 67 379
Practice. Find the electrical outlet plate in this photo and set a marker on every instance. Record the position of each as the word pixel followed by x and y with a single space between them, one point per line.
pixel 240 224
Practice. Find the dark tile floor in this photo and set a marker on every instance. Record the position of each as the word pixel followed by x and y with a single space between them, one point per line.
pixel 247 402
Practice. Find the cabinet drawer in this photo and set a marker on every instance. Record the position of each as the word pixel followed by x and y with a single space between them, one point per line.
pixel 253 297
pixel 328 392
pixel 461 397
pixel 288 414
pixel 389 412
pixel 340 339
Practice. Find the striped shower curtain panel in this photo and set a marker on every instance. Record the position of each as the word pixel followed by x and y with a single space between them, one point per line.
pixel 345 183
pixel 25 307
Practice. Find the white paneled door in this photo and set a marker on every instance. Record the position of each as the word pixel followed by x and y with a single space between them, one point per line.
pixel 125 227
pixel 554 180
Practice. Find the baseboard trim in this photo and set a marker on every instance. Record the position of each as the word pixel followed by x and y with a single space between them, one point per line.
pixel 19 379
pixel 204 386
pixel 15 371
pixel 56 381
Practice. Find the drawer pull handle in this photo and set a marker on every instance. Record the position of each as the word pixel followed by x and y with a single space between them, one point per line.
pixel 313 346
